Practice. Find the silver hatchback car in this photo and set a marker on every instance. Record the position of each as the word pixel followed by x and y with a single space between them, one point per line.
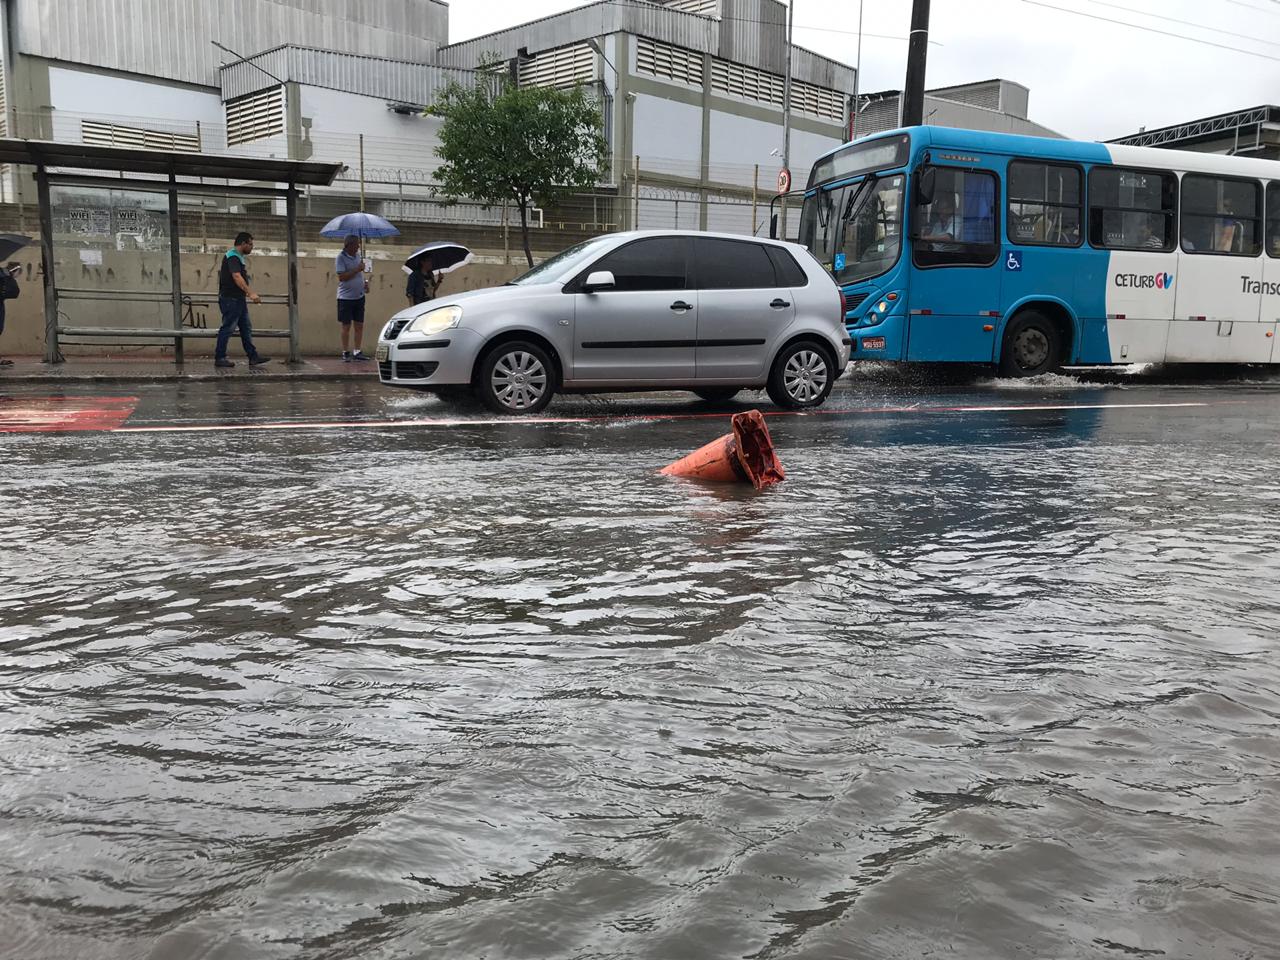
pixel 645 310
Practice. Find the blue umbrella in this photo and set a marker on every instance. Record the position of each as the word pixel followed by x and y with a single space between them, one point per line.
pixel 359 225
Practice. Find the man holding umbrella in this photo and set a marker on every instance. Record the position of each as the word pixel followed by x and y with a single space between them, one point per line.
pixel 353 228
pixel 352 287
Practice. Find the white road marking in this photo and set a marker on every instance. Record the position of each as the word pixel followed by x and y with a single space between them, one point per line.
pixel 651 417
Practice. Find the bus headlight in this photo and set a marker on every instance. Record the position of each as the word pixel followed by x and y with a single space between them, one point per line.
pixel 434 321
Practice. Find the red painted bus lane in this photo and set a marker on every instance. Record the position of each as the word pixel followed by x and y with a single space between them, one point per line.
pixel 63 414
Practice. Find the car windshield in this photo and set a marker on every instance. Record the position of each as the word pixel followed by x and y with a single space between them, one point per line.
pixel 563 262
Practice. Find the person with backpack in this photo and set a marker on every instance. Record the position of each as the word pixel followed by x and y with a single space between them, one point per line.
pixel 9 290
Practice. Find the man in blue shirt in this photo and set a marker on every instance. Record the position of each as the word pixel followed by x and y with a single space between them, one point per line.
pixel 234 293
pixel 352 287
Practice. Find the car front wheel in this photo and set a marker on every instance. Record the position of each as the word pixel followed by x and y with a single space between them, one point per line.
pixel 516 377
pixel 802 376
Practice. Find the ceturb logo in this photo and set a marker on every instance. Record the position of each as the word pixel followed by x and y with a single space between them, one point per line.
pixel 1145 281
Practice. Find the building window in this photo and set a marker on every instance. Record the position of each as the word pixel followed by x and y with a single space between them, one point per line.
pixel 667 62
pixel 958 228
pixel 1044 204
pixel 1132 209
pixel 561 67
pixel 116 135
pixel 255 117
pixel 1221 216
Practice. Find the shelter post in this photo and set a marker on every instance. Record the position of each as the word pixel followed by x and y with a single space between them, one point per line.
pixel 291 230
pixel 175 270
pixel 51 352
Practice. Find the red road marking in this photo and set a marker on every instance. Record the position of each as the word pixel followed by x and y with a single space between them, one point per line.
pixel 63 414
pixel 623 418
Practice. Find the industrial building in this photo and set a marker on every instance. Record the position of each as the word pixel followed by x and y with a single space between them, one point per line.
pixel 1254 132
pixel 691 94
pixel 996 105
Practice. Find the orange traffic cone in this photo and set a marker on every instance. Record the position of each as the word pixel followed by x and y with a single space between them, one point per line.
pixel 744 456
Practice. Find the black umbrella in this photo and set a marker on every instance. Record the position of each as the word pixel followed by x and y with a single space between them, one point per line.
pixel 11 243
pixel 443 255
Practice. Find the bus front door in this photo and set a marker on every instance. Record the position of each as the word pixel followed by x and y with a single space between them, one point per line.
pixel 955 284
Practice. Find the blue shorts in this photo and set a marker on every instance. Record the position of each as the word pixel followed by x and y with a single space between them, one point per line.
pixel 351 311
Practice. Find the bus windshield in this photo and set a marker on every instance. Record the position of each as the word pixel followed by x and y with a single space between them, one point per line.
pixel 855 230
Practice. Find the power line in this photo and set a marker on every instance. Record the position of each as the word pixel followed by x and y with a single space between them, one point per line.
pixel 1250 6
pixel 772 23
pixel 1185 23
pixel 1139 26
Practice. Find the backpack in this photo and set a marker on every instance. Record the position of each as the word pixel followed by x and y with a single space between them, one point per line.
pixel 9 288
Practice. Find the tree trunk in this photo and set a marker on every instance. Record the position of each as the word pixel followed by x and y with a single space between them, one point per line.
pixel 524 231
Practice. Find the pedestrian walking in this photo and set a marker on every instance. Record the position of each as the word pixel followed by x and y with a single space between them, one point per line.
pixel 423 283
pixel 234 294
pixel 352 287
pixel 9 290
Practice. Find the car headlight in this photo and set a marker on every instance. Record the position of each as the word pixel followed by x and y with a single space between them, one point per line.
pixel 434 321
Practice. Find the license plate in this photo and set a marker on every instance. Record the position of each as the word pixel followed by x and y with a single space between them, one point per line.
pixel 873 343
pixel 382 352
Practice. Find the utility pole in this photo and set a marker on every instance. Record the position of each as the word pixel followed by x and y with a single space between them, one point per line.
pixel 857 77
pixel 786 119
pixel 917 52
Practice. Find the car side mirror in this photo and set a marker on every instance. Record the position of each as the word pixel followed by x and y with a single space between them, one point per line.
pixel 926 184
pixel 598 280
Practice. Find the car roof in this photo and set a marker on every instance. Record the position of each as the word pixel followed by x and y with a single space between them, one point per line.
pixel 715 235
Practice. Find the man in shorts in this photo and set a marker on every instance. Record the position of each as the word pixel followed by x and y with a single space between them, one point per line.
pixel 352 287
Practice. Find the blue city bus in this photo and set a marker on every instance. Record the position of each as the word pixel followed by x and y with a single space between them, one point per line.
pixel 1030 254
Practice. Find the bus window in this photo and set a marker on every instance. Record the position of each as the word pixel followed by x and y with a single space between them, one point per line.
pixel 959 227
pixel 1044 204
pixel 1131 209
pixel 818 220
pixel 1221 215
pixel 1273 220
pixel 869 230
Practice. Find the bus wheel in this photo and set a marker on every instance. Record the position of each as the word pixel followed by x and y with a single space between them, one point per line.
pixel 1031 346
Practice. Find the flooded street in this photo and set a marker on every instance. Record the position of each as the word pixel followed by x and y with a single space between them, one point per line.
pixel 993 674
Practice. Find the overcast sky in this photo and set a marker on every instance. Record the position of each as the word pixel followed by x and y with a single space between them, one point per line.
pixel 1089 79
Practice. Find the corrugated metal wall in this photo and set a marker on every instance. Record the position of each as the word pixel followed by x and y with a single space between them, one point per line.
pixel 171 38
pixel 748 31
pixel 398 80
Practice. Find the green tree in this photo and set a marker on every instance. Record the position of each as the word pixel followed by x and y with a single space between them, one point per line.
pixel 501 142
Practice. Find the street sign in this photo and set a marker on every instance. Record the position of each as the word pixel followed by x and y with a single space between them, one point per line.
pixel 784 180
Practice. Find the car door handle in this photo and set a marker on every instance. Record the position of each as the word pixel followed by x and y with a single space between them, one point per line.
pixel 681 305
pixel 780 304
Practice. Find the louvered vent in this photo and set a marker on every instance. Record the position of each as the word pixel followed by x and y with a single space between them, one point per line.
pixel 561 67
pixel 255 117
pixel 667 62
pixel 738 80
pixel 116 135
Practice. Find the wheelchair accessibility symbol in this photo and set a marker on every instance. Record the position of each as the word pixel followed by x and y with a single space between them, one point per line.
pixel 1014 261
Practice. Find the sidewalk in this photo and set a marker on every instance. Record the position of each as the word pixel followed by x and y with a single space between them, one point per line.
pixel 130 369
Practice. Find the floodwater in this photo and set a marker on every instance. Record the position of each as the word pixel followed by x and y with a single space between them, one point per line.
pixel 976 684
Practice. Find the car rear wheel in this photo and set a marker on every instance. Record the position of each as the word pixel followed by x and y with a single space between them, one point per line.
pixel 516 377
pixel 1031 346
pixel 717 394
pixel 802 376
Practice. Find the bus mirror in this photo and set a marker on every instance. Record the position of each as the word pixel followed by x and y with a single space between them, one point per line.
pixel 926 183
pixel 773 227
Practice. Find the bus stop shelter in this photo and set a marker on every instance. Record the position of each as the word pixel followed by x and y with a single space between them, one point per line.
pixel 112 168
